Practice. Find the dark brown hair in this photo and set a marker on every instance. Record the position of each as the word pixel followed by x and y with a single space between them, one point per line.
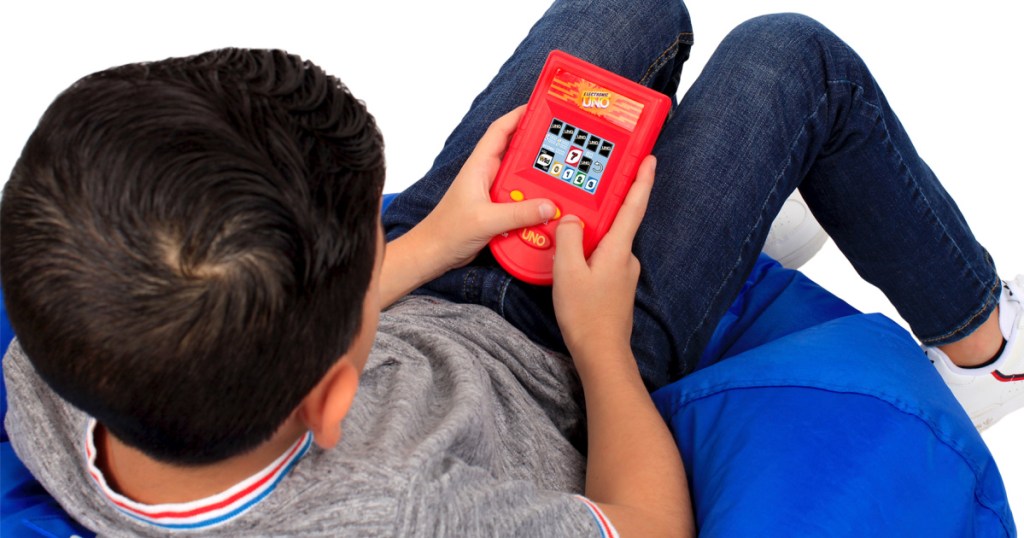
pixel 185 245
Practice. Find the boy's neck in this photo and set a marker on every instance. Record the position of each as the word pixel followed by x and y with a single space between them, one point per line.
pixel 146 480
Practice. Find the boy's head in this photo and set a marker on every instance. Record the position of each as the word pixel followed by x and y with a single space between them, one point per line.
pixel 185 245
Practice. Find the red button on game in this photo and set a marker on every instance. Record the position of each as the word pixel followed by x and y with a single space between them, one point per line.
pixel 535 238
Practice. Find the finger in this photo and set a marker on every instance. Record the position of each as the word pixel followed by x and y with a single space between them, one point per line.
pixel 512 216
pixel 631 214
pixel 568 245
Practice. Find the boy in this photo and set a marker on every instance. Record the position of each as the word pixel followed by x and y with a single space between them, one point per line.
pixel 232 270
pixel 462 425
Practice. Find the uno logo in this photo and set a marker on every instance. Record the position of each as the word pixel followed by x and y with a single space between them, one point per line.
pixel 535 238
pixel 596 100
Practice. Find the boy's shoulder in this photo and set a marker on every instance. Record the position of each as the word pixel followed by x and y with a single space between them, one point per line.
pixel 460 423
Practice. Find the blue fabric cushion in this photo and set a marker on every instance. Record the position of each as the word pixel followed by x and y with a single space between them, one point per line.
pixel 808 418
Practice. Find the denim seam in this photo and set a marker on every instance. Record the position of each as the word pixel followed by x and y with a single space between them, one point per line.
pixel 666 55
pixel 986 307
pixel 506 280
pixel 465 284
pixel 757 223
pixel 915 185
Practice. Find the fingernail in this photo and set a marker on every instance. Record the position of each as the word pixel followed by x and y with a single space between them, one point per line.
pixel 547 211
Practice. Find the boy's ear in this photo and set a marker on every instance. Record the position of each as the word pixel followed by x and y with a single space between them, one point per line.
pixel 323 409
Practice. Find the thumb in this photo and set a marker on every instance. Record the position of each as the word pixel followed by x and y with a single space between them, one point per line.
pixel 568 244
pixel 512 216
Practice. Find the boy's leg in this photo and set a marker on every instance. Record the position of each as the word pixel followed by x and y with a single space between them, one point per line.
pixel 784 103
pixel 644 41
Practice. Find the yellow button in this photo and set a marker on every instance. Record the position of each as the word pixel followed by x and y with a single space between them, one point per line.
pixel 516 196
pixel 558 214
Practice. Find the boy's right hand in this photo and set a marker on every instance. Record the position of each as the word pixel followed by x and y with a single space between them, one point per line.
pixel 594 298
pixel 634 472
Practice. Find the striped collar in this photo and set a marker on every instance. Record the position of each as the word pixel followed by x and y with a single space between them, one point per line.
pixel 204 513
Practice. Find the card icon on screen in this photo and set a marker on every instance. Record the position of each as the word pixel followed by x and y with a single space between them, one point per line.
pixel 573 156
pixel 544 159
pixel 556 126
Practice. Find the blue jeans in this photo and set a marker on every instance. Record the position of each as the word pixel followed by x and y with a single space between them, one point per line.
pixel 782 104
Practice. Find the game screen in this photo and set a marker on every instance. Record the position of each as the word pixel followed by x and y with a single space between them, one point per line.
pixel 573 155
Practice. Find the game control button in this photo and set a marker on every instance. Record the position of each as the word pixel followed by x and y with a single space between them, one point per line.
pixel 535 238
pixel 516 196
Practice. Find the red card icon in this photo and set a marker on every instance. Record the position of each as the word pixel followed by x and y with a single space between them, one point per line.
pixel 574 156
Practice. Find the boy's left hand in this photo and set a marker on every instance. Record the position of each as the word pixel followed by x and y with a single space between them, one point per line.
pixel 466 218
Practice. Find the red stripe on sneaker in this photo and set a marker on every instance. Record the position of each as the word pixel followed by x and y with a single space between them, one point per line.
pixel 1003 378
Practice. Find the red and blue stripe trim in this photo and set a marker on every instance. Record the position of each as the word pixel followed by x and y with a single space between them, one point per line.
pixel 606 527
pixel 204 513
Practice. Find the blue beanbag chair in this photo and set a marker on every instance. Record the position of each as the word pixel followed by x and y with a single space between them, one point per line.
pixel 805 418
pixel 808 418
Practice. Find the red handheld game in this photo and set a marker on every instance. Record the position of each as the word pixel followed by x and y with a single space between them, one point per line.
pixel 579 145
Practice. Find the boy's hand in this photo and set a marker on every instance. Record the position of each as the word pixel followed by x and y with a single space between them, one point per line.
pixel 463 222
pixel 634 472
pixel 594 298
pixel 466 217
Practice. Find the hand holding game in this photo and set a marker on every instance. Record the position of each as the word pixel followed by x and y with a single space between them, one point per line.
pixel 466 218
pixel 579 146
pixel 593 297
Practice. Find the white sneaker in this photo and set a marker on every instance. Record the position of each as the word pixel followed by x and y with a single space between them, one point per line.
pixel 795 237
pixel 991 392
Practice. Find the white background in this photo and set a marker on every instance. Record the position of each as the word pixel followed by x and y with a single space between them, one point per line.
pixel 952 71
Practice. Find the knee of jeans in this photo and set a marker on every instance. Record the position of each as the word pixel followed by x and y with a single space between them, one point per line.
pixel 784 40
pixel 781 24
pixel 642 12
pixel 647 40
pixel 636 19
